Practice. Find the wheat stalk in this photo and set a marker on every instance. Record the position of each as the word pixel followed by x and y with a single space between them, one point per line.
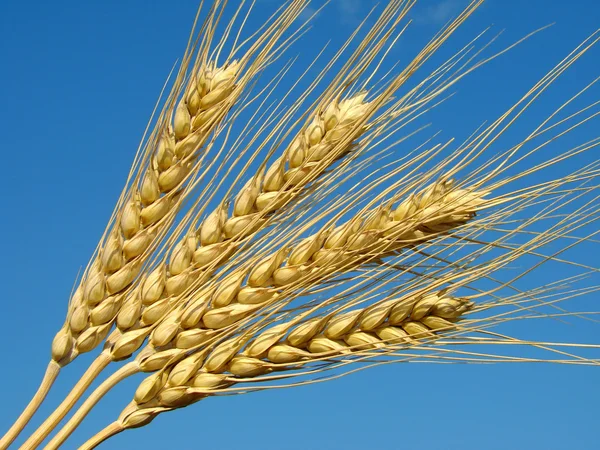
pixel 325 139
pixel 207 305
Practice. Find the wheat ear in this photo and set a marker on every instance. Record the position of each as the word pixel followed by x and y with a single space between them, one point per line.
pixel 413 319
pixel 424 216
pixel 394 321
pixel 99 296
pixel 391 321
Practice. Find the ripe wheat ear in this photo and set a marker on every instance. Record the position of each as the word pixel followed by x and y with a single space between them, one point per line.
pixel 326 138
pixel 217 316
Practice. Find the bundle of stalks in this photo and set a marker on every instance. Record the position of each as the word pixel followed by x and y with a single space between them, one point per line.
pixel 328 136
pixel 317 260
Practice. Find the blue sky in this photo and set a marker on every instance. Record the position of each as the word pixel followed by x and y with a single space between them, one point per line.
pixel 79 80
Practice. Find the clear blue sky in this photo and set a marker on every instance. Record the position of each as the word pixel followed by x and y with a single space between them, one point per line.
pixel 78 82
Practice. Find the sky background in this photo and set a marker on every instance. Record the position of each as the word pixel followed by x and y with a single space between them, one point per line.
pixel 78 83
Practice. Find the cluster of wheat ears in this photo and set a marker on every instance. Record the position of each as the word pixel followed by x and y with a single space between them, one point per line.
pixel 335 245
